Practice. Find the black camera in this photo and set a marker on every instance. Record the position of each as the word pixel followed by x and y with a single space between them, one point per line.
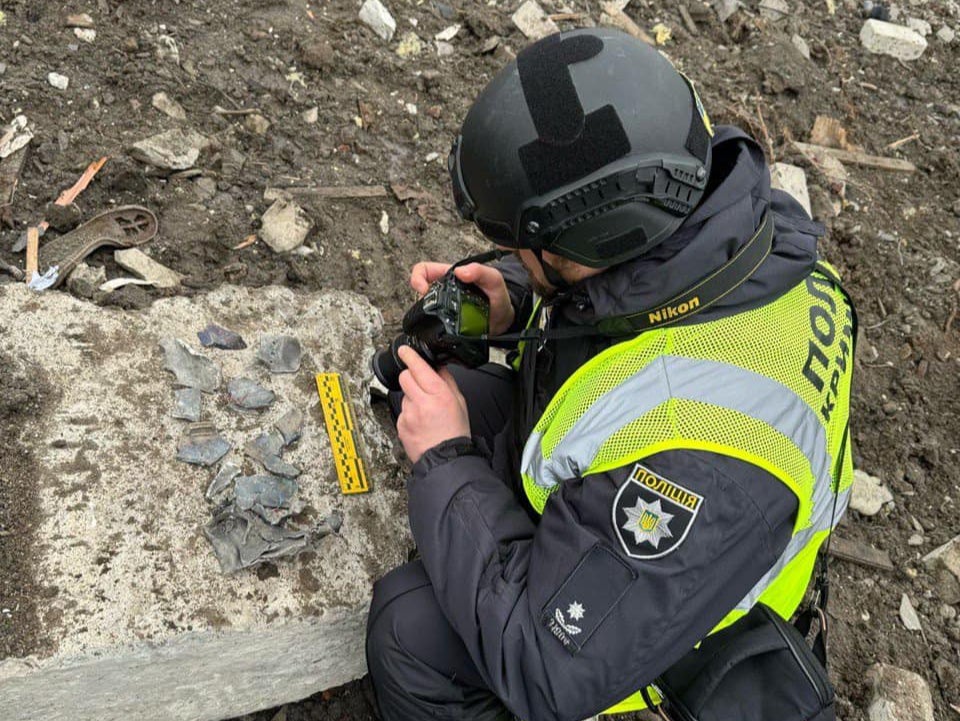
pixel 449 324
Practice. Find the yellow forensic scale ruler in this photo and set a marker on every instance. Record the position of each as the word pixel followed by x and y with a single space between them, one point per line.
pixel 338 417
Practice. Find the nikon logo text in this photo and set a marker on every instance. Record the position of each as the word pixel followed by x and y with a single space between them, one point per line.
pixel 674 311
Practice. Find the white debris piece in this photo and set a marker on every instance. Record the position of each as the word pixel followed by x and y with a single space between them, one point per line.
pixel 947 556
pixel 726 9
pixel 15 136
pixel 898 695
pixel 868 494
pixel 384 222
pixel 908 614
pixel 444 50
pixel 920 26
pixel 60 82
pixel 946 34
pixel 378 18
pixel 447 34
pixel 168 106
pixel 172 150
pixel 88 35
pixel 284 226
pixel 136 261
pixel 801 45
pixel 896 41
pixel 792 180
pixel 311 115
pixel 533 22
pixel 774 10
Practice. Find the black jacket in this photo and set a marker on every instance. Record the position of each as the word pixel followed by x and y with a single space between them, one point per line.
pixel 503 579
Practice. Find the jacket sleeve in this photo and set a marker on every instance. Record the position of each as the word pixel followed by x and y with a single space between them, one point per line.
pixel 559 618
pixel 518 286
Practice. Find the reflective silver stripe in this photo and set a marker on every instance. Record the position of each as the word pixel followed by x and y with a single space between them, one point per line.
pixel 708 381
pixel 800 540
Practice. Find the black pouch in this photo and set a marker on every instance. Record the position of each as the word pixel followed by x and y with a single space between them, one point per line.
pixel 760 668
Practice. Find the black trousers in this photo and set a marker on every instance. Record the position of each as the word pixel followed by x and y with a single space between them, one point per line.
pixel 419 667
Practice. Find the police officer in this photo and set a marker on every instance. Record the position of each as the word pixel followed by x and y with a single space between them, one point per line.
pixel 671 446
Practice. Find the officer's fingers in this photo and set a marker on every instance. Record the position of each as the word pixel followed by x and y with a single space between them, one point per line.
pixel 424 273
pixel 409 387
pixel 424 376
pixel 490 280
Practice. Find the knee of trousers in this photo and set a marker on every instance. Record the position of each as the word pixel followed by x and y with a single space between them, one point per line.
pixel 398 598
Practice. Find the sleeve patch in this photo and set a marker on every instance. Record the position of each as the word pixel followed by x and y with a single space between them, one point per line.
pixel 586 597
pixel 652 516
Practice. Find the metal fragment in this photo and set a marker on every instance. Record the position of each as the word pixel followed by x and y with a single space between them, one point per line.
pixel 249 395
pixel 241 539
pixel 279 467
pixel 270 497
pixel 192 369
pixel 202 445
pixel 228 471
pixel 188 404
pixel 215 336
pixel 264 445
pixel 280 353
pixel 290 426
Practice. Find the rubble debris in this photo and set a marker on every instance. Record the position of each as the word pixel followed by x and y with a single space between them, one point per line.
pixel 224 477
pixel 60 82
pixel 614 15
pixel 318 54
pixel 249 395
pixel 801 45
pixel 858 158
pixel 946 556
pixel 661 34
pixel 173 150
pixel 256 124
pixel 87 35
pixel 79 20
pixel 898 695
pixel 290 426
pixel 375 16
pixel 202 445
pixel 447 34
pixel 908 614
pixel 384 222
pixel 187 404
pixel 117 283
pixel 920 26
pixel 168 106
pixel 489 45
pixel 868 493
pixel 265 445
pixel 284 226
pixel 774 10
pixel 946 34
pixel 280 353
pixel 331 191
pixel 533 21
pixel 792 180
pixel 444 49
pixel 15 136
pixel 726 9
pixel 215 336
pixel 136 261
pixel 859 553
pixel 243 539
pixel 883 38
pixel 310 115
pixel 270 497
pixel 191 369
pixel 167 49
pixel 829 133
pixel 410 45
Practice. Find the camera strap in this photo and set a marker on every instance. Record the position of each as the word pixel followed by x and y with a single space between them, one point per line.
pixel 700 296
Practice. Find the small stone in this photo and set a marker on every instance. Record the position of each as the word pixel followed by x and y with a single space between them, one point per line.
pixel 63 218
pixel 284 226
pixel 166 105
pixel 792 180
pixel 726 9
pixel 435 111
pixel 444 50
pixel 191 369
pixel 3 68
pixel 311 115
pixel 136 261
pixel 533 21
pixel 447 34
pixel 890 408
pixel 215 336
pixel 489 45
pixel 206 188
pixel 318 54
pixel 920 26
pixel 868 494
pixel 898 695
pixel 908 614
pixel 884 38
pixel 410 45
pixel 384 222
pixel 946 34
pixel 774 10
pixel 256 124
pixel 290 426
pixel 201 445
pixel 280 353
pixel 87 35
pixel 915 540
pixel 946 556
pixel 947 612
pixel 446 11
pixel 249 395
pixel 79 20
pixel 228 471
pixel 801 45
pixel 375 16
pixel 60 82
pixel 173 150
pixel 187 404
pixel 83 280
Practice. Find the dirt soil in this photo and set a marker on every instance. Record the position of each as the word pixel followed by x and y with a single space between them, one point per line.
pixel 383 119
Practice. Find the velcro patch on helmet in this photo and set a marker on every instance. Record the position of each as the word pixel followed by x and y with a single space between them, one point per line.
pixel 571 144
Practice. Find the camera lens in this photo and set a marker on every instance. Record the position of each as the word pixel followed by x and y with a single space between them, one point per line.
pixel 387 365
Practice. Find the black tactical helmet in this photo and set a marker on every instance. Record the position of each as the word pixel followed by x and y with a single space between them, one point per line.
pixel 589 145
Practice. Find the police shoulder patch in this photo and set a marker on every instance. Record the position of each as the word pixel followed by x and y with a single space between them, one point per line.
pixel 653 516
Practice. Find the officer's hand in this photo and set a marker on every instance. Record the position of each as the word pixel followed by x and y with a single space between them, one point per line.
pixel 433 410
pixel 488 279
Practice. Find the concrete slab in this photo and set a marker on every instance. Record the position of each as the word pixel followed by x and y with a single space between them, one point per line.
pixel 136 619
